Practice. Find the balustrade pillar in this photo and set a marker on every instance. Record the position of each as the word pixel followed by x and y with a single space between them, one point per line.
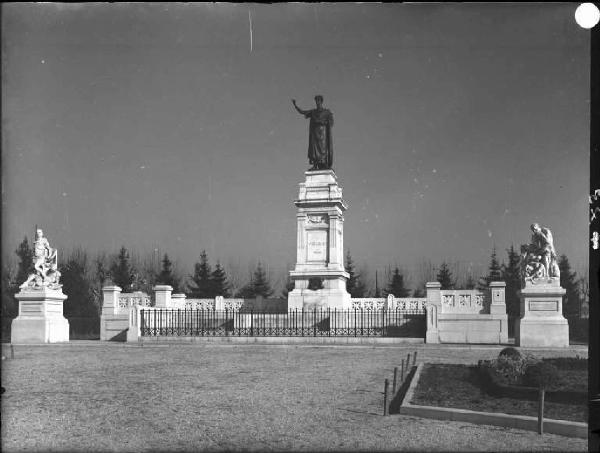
pixel 434 303
pixel 162 296
pixel 498 298
pixel 110 300
pixel 134 332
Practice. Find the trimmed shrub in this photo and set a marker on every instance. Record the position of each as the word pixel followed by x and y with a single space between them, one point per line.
pixel 512 366
pixel 510 352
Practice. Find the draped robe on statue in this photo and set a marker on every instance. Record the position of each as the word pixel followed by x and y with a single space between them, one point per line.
pixel 320 145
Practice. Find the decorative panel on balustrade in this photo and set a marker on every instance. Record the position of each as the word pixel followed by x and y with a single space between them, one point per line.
pixel 464 301
pixel 127 300
pixel 373 322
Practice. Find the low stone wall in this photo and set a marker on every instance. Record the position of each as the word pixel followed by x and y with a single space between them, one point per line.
pixel 467 316
pixel 452 316
pixel 472 328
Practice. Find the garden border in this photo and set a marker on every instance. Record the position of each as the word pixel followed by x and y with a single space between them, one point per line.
pixel 560 427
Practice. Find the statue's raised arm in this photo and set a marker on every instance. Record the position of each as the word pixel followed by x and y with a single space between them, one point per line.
pixel 320 143
pixel 300 111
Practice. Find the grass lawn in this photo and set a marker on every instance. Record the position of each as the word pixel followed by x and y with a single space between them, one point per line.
pixel 460 386
pixel 92 396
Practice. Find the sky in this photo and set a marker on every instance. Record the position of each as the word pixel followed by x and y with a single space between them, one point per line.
pixel 170 127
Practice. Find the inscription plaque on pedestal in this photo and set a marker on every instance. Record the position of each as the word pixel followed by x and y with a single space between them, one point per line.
pixel 317 246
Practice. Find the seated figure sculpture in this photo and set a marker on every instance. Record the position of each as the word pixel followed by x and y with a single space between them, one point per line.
pixel 45 264
pixel 538 259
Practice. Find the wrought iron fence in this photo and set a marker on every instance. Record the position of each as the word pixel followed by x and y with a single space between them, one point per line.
pixel 294 323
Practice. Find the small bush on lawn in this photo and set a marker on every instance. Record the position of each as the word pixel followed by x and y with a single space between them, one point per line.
pixel 512 367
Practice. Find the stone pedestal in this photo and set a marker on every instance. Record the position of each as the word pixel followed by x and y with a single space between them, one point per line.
pixel 40 318
pixel 320 244
pixel 542 323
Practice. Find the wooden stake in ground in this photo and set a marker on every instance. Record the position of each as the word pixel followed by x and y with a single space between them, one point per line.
pixel 415 359
pixel 402 375
pixel 541 392
pixel 12 352
pixel 408 364
pixel 385 397
pixel 395 380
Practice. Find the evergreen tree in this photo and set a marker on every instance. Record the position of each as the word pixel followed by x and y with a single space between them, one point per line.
pixel 419 292
pixel 11 282
pixel 396 285
pixel 77 285
pixel 102 273
pixel 10 308
pixel 100 278
pixel 470 282
pixel 257 286
pixel 494 272
pixel 122 272
pixel 219 284
pixel 354 285
pixel 25 266
pixel 511 274
pixel 568 280
pixel 202 286
pixel 261 286
pixel 444 276
pixel 246 291
pixel 167 276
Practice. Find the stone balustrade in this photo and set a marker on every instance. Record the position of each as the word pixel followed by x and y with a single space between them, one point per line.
pixel 466 316
pixel 127 300
pixel 452 316
pixel 368 303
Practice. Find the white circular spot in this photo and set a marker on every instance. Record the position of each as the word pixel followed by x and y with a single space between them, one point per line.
pixel 587 15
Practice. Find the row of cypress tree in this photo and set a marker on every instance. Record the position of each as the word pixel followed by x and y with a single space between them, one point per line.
pixel 85 295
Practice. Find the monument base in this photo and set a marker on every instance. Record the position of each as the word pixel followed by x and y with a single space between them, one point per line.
pixel 40 318
pixel 542 323
pixel 333 295
pixel 543 333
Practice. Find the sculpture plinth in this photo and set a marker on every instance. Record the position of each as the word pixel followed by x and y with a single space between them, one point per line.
pixel 40 318
pixel 541 323
pixel 319 276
